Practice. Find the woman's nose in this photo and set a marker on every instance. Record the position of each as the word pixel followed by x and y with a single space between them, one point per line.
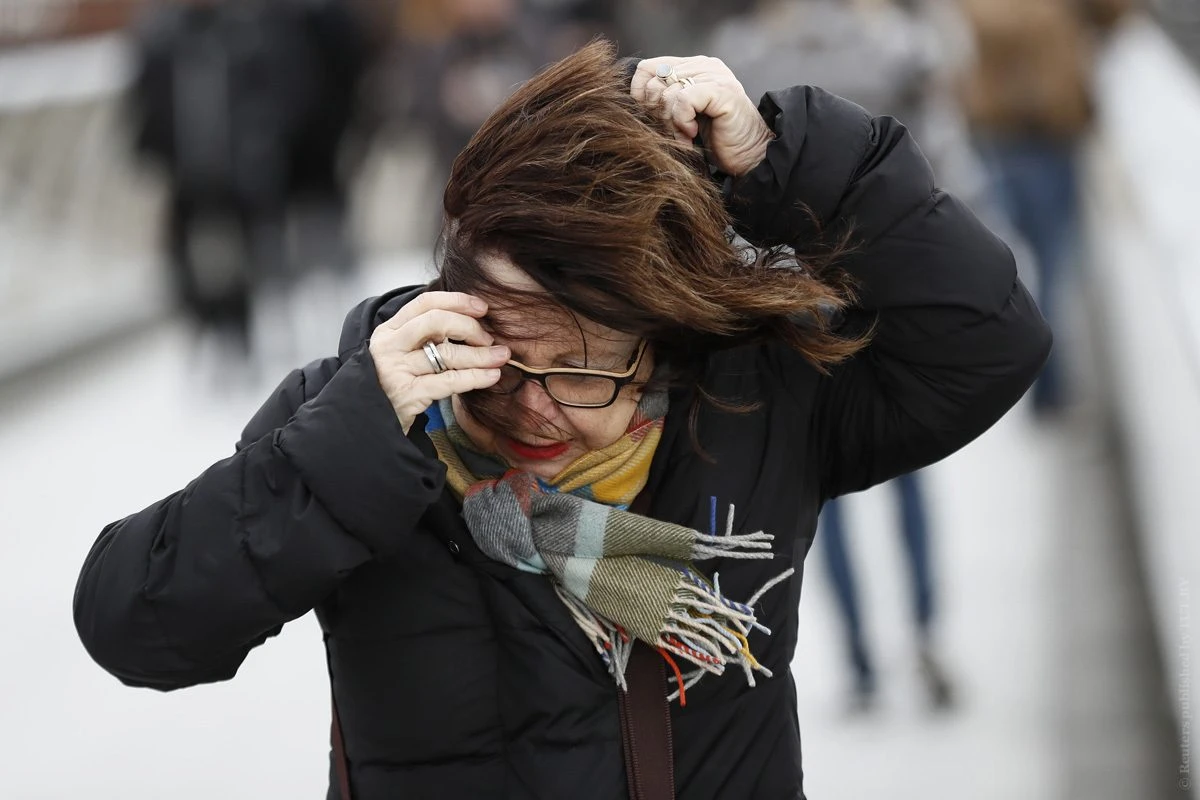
pixel 533 395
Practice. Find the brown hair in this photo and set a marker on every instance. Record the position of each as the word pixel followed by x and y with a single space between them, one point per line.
pixel 584 189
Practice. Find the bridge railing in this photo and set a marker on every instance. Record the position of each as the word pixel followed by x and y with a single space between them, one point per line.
pixel 1144 274
pixel 78 223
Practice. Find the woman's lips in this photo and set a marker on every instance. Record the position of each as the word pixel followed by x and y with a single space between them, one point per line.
pixel 536 452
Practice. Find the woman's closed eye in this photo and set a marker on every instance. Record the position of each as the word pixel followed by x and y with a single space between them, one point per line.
pixel 608 365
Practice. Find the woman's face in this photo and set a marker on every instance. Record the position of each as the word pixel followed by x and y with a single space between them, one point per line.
pixel 555 339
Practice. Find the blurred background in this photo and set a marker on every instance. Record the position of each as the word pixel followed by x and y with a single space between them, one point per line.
pixel 192 194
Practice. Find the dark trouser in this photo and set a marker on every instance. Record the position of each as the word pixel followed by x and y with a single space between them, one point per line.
pixel 220 252
pixel 1036 180
pixel 915 531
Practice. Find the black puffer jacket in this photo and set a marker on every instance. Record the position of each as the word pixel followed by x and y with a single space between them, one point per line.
pixel 462 678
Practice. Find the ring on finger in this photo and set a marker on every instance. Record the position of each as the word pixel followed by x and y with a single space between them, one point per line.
pixel 666 74
pixel 434 356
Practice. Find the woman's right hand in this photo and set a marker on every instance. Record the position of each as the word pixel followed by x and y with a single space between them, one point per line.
pixel 451 321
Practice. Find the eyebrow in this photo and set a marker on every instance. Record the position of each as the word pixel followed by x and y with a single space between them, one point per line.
pixel 592 358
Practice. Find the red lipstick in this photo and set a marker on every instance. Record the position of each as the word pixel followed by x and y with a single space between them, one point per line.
pixel 533 452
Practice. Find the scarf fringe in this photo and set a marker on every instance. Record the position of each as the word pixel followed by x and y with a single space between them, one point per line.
pixel 690 679
pixel 746 545
pixel 611 641
pixel 704 627
pixel 689 617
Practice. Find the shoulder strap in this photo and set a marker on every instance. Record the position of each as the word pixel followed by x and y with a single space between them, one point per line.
pixel 646 714
pixel 646 727
pixel 339 753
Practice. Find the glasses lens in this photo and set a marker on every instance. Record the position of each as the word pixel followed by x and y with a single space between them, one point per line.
pixel 583 390
pixel 510 380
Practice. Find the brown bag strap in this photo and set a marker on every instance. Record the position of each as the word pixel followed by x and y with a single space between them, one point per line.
pixel 646 713
pixel 646 727
pixel 340 764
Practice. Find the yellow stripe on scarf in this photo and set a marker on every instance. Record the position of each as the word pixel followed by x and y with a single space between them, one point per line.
pixel 612 475
pixel 617 473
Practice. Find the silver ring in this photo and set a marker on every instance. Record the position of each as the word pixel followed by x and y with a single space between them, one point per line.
pixel 666 74
pixel 435 357
pixel 687 81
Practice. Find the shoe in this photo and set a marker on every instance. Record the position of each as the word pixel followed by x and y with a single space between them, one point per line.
pixel 863 696
pixel 937 682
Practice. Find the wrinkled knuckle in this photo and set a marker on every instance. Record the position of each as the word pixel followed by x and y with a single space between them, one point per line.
pixel 451 353
pixel 404 393
pixel 412 409
pixel 381 344
pixel 424 302
pixel 475 357
pixel 484 360
pixel 408 324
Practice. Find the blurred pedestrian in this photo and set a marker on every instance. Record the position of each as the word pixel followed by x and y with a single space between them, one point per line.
pixel 244 106
pixel 1028 95
pixel 499 494
pixel 914 530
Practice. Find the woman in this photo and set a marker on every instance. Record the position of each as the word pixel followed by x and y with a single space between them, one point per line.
pixel 448 491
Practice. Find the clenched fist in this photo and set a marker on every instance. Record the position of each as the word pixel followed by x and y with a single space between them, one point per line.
pixel 700 95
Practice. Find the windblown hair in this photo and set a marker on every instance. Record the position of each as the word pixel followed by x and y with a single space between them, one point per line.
pixel 584 189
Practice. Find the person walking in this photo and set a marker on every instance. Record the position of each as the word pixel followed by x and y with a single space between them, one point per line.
pixel 914 532
pixel 1028 98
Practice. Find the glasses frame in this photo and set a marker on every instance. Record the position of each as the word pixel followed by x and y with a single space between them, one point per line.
pixel 540 376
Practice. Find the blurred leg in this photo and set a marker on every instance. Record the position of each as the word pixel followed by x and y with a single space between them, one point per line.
pixel 914 528
pixel 269 280
pixel 179 219
pixel 841 573
pixel 1038 183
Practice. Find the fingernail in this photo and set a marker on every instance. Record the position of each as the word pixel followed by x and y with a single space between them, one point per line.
pixel 478 304
pixel 500 351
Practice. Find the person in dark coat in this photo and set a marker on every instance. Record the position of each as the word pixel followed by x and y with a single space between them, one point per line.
pixel 605 429
pixel 245 107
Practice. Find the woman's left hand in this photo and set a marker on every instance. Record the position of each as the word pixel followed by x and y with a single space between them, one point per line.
pixel 712 104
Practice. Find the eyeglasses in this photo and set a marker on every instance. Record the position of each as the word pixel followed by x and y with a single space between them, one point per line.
pixel 576 388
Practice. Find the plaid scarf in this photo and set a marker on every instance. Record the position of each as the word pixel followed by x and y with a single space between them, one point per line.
pixel 623 576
